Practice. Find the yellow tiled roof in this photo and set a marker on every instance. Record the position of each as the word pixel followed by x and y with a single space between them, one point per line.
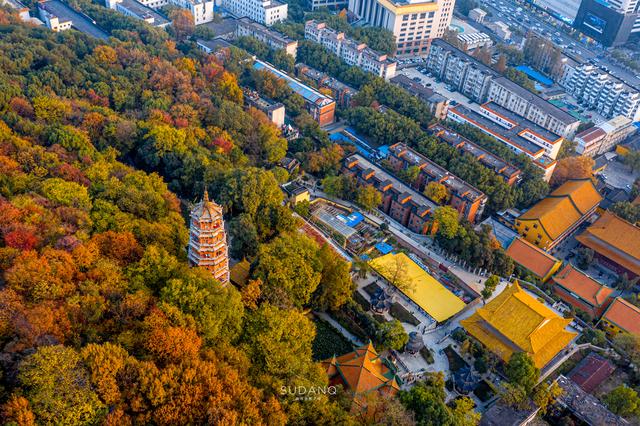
pixel 531 257
pixel 515 321
pixel 427 292
pixel 582 192
pixel 564 207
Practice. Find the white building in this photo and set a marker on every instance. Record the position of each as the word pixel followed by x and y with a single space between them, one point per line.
pixel 477 15
pixel 351 51
pixel 471 41
pixel 604 93
pixel 413 22
pixel 273 39
pixel 501 29
pixel 138 10
pixel 265 12
pixel 201 10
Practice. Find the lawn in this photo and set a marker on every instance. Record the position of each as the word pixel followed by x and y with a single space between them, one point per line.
pixel 328 342
pixel 371 289
pixel 401 314
pixel 455 361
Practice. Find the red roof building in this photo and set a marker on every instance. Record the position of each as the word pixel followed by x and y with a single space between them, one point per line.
pixel 622 316
pixel 581 291
pixel 591 371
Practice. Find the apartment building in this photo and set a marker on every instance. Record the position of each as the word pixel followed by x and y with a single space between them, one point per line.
pixel 519 100
pixel 438 104
pixel 321 107
pixel 413 23
pixel 466 199
pixel 510 173
pixel 517 133
pixel 342 93
pixel 602 92
pixel 265 12
pixel 477 15
pixel 201 10
pixel 275 111
pixel 351 51
pixel 137 10
pixel 465 73
pixel 273 39
pixel 604 137
pixel 404 204
pixel 23 11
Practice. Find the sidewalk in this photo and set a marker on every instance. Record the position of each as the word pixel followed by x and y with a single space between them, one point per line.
pixel 353 339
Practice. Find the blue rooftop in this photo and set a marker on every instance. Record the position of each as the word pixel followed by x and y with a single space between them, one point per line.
pixel 383 248
pixel 535 75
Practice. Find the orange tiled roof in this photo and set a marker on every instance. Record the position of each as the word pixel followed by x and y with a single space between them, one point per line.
pixel 531 257
pixel 582 285
pixel 564 206
pixel 624 315
pixel 515 321
pixel 361 371
pixel 615 239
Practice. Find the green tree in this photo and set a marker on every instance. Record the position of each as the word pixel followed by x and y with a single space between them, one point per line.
pixel 623 401
pixel 58 387
pixel 632 159
pixel 289 269
pixel 447 221
pixel 521 371
pixel 627 211
pixel 368 197
pixel 391 335
pixel 335 287
pixel 489 286
pixel 244 241
pixel 546 395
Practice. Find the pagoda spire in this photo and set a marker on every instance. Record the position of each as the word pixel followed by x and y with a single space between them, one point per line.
pixel 205 198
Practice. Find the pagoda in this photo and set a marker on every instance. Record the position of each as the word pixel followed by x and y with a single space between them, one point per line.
pixel 208 240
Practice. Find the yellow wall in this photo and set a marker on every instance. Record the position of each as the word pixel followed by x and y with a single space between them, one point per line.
pixel 610 328
pixel 552 271
pixel 532 233
pixel 300 197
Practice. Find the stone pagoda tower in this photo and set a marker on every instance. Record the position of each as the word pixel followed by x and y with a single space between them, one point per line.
pixel 208 240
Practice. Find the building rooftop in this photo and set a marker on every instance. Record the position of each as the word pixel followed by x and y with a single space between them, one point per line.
pixel 456 185
pixel 386 178
pixel 500 132
pixel 531 257
pixel 515 321
pixel 582 286
pixel 258 28
pixel 592 134
pixel 591 371
pixel 624 315
pixel 616 239
pixel 215 44
pixel 501 232
pixel 78 20
pixel 518 120
pixel 333 221
pixel 426 292
pixel 485 157
pixel 423 92
pixel 361 371
pixel 586 406
pixel 536 100
pixel 564 207
pixel 309 94
pixel 464 56
pixel 225 27
pixel 145 12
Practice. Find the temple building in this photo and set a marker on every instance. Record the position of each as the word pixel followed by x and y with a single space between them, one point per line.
pixel 514 321
pixel 208 240
pixel 361 372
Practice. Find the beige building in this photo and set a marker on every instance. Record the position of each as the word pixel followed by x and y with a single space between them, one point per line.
pixel 273 39
pixel 602 138
pixel 414 23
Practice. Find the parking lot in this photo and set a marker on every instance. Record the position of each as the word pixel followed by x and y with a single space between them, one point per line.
pixel 439 87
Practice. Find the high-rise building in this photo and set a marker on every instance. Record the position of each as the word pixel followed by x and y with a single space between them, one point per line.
pixel 414 23
pixel 208 240
pixel 609 22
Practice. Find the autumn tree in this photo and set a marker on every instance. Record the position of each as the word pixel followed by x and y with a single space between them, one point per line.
pixel 437 192
pixel 578 167
pixel 182 23
pixel 335 287
pixel 368 197
pixel 447 221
